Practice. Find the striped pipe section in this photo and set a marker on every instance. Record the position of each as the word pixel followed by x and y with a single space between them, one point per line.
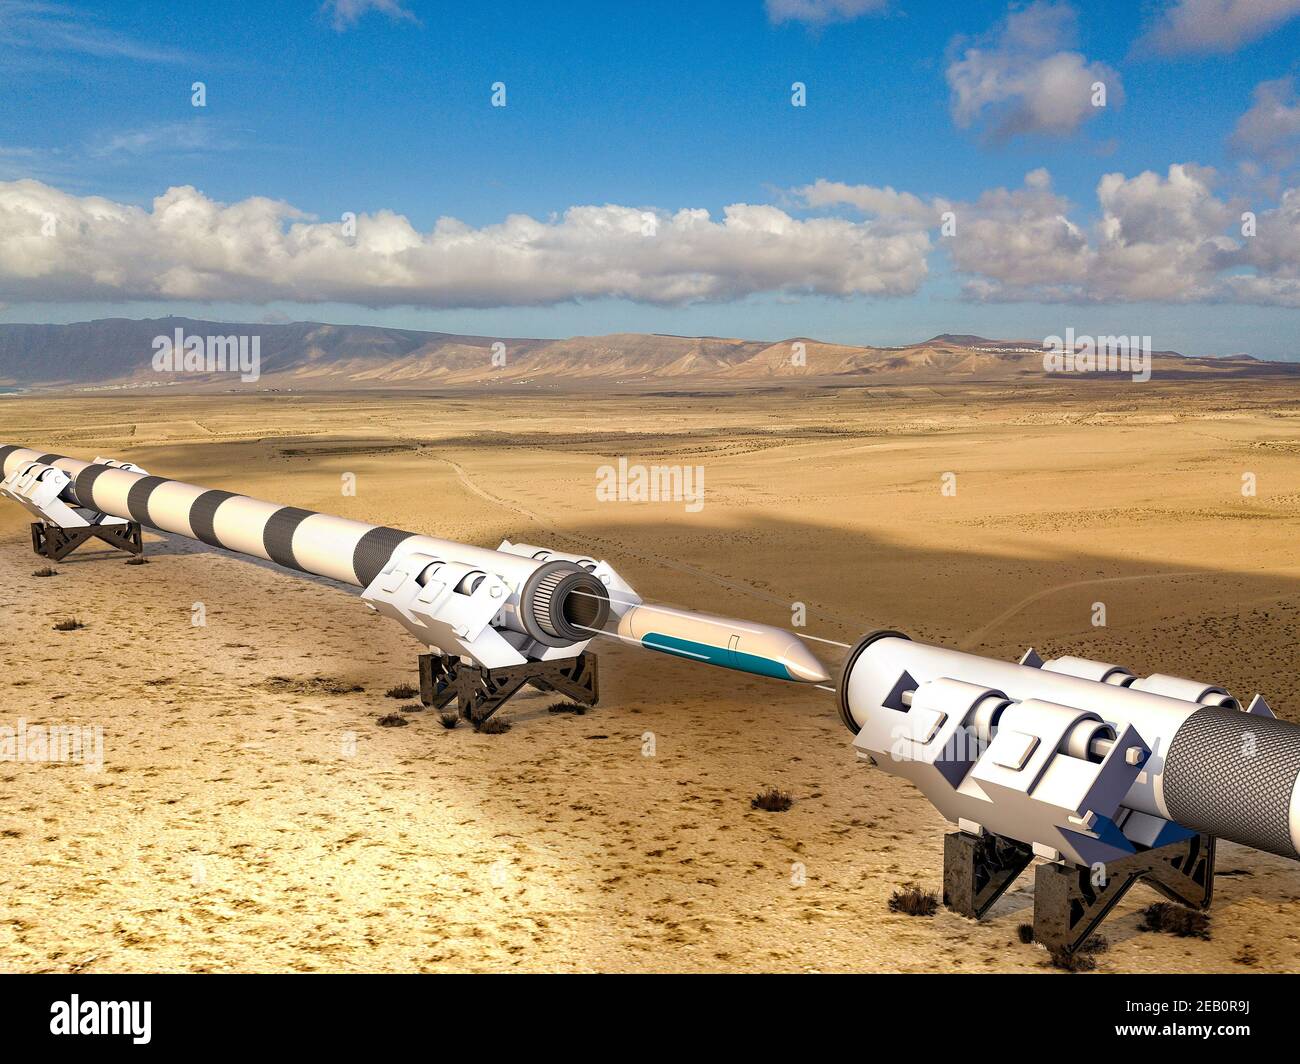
pixel 349 551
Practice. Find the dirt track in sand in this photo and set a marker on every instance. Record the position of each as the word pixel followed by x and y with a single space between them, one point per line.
pixel 243 824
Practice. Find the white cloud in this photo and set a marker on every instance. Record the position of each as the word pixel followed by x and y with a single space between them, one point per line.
pixel 1023 77
pixel 345 13
pixel 820 12
pixel 188 247
pixel 1274 254
pixel 1270 130
pixel 1152 237
pixel 1187 26
pixel 36 26
pixel 887 204
pixel 1014 241
pixel 164 138
pixel 1157 238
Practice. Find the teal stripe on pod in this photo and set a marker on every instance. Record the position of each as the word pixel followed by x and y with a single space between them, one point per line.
pixel 721 656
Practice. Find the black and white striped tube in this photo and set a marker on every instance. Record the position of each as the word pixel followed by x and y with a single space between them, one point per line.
pixel 349 551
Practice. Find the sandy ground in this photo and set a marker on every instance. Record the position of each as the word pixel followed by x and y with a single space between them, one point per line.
pixel 241 826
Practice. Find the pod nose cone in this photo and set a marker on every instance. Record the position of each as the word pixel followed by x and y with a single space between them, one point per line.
pixel 802 665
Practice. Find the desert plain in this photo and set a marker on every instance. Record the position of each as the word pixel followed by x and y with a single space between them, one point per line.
pixel 252 815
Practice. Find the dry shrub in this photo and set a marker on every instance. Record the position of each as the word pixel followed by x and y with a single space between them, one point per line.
pixel 1175 920
pixel 402 691
pixel 772 800
pixel 912 900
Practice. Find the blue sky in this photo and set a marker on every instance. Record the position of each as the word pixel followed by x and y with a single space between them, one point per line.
pixel 371 108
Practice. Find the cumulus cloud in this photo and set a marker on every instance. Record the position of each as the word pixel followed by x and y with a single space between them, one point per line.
pixel 1006 238
pixel 1024 78
pixel 346 13
pixel 1152 237
pixel 1157 238
pixel 820 12
pixel 1188 26
pixel 1274 255
pixel 1270 130
pixel 60 247
pixel 1163 238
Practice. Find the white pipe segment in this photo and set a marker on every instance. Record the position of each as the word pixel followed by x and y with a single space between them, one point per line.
pixel 1204 763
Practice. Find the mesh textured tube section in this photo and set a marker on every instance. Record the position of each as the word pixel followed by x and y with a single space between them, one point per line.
pixel 1233 774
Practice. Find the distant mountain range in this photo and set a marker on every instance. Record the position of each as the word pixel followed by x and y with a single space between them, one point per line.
pixel 120 353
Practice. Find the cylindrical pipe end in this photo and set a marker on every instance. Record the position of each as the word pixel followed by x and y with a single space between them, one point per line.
pixel 563 604
pixel 846 675
pixel 1236 775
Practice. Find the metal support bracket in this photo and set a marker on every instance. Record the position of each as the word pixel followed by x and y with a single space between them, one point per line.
pixel 1071 901
pixel 978 870
pixel 56 543
pixel 480 692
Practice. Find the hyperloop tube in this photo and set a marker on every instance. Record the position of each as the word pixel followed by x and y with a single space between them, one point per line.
pixel 559 600
pixel 1212 768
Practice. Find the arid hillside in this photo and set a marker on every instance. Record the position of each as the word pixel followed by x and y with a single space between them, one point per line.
pixel 308 356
